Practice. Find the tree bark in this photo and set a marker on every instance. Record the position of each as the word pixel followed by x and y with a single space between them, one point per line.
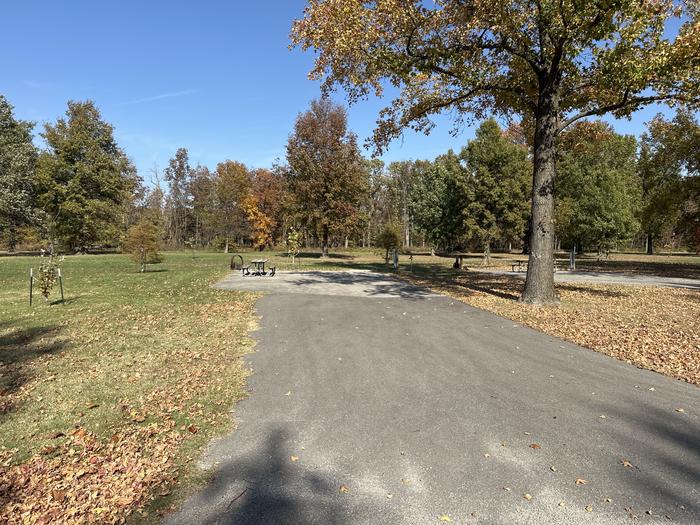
pixel 650 244
pixel 487 253
pixel 324 242
pixel 539 284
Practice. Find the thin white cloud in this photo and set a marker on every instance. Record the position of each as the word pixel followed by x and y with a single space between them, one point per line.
pixel 162 96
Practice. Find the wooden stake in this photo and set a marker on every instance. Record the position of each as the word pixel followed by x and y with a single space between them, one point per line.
pixel 60 283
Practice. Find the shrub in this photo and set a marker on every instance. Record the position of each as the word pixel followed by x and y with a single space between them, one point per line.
pixel 142 242
pixel 389 239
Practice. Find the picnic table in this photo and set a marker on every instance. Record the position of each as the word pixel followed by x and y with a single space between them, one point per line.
pixel 258 268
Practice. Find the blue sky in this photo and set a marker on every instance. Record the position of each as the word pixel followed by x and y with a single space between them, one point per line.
pixel 214 77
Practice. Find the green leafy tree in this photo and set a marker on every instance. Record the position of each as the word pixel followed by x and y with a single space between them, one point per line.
pixel 48 275
pixel 84 180
pixel 389 239
pixel 327 178
pixel 142 243
pixel 669 170
pixel 293 244
pixel 371 205
pixel 232 186
pixel 597 190
pixel 17 164
pixel 437 202
pixel 553 62
pixel 497 186
pixel 179 177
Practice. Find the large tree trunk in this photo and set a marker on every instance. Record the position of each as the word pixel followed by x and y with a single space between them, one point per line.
pixel 650 244
pixel 324 242
pixel 539 284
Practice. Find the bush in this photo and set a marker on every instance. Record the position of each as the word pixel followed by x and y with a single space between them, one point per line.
pixel 389 239
pixel 142 242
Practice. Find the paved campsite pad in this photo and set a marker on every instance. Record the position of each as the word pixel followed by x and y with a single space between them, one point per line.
pixel 351 283
pixel 615 278
pixel 372 409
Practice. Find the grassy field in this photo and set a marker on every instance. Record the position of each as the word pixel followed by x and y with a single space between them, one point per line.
pixel 107 398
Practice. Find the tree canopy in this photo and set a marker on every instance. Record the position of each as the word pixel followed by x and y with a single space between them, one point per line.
pixel 553 62
pixel 84 180
pixel 497 185
pixel 17 163
pixel 597 190
pixel 327 175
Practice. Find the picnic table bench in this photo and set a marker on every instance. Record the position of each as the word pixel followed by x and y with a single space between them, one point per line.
pixel 258 268
pixel 521 266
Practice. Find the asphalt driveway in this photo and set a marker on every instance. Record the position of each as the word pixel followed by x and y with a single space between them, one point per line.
pixel 388 404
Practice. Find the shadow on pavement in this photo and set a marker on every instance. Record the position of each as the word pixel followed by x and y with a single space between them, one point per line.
pixel 375 285
pixel 266 486
pixel 671 441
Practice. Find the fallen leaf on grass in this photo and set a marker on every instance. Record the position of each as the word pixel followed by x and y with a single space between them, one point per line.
pixel 535 446
pixel 445 518
pixel 528 497
pixel 561 504
pixel 92 405
pixel 193 429
pixel 581 481
pixel 589 508
pixel 680 410
pixel 344 489
pixel 294 458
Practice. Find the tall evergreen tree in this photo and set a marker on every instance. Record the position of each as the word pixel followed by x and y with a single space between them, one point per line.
pixel 17 164
pixel 84 180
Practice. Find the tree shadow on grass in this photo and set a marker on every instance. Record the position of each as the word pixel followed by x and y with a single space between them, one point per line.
pixel 18 348
pixel 592 291
pixel 317 255
pixel 650 268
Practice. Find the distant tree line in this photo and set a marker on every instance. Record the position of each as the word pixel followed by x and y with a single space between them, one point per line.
pixel 80 190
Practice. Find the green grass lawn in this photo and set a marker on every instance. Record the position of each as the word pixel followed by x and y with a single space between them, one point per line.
pixel 126 354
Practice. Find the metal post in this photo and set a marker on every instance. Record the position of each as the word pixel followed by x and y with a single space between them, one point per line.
pixel 31 284
pixel 60 283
